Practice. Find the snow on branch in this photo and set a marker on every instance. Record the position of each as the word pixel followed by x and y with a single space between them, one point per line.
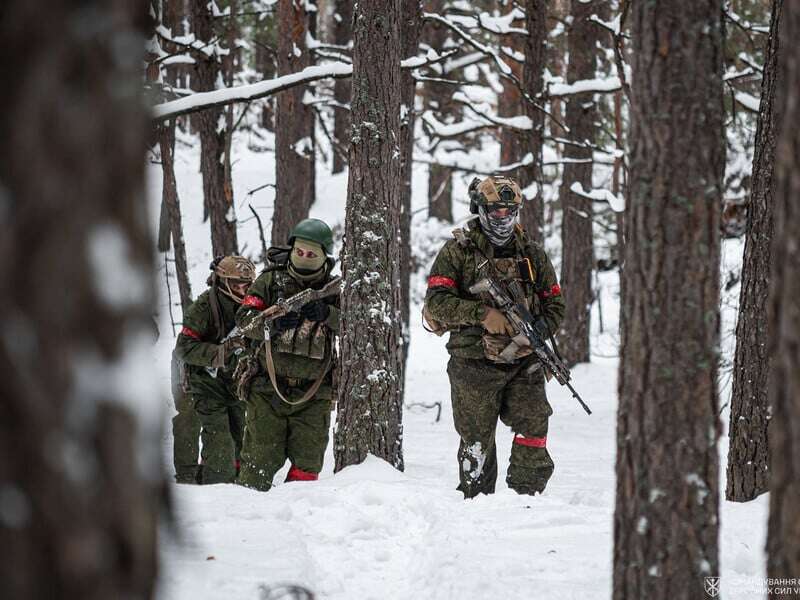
pixel 246 93
pixel 616 204
pixel 609 84
pixel 481 109
pixel 749 101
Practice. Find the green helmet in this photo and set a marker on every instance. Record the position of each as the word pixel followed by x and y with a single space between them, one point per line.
pixel 314 230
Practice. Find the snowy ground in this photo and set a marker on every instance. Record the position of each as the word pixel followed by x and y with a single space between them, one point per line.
pixel 372 532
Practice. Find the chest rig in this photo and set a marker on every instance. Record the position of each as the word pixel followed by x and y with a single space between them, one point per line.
pixel 513 270
pixel 309 339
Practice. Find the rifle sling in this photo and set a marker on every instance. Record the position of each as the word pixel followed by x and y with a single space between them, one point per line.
pixel 273 379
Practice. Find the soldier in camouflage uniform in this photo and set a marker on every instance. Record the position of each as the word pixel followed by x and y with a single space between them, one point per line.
pixel 210 359
pixel 288 415
pixel 483 387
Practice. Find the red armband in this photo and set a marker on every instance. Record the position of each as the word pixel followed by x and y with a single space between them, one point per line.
pixel 254 302
pixel 191 333
pixel 554 291
pixel 440 281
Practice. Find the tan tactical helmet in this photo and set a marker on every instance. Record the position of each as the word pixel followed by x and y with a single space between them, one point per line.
pixel 495 189
pixel 231 270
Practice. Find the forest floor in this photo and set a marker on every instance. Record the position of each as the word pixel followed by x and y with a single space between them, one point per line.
pixel 371 532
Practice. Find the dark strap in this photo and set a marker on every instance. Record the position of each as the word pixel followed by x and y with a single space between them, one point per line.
pixel 216 310
pixel 273 379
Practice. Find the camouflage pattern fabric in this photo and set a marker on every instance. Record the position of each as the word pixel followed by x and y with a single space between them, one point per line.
pixel 185 429
pixel 483 391
pixel 456 269
pixel 218 409
pixel 274 430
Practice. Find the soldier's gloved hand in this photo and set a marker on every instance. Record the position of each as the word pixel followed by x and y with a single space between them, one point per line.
pixel 288 321
pixel 540 326
pixel 495 322
pixel 316 310
pixel 234 346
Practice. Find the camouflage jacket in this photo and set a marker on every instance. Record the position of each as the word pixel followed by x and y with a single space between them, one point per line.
pixel 457 268
pixel 199 339
pixel 298 353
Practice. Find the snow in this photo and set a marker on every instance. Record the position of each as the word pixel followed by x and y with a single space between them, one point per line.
pixel 609 84
pixel 373 532
pixel 749 101
pixel 616 203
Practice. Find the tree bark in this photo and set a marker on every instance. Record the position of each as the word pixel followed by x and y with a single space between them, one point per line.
pixel 294 123
pixel 171 203
pixel 369 419
pixel 218 204
pixel 532 215
pixel 81 488
pixel 438 98
pixel 783 536
pixel 576 233
pixel 666 525
pixel 748 454
pixel 409 33
pixel 342 35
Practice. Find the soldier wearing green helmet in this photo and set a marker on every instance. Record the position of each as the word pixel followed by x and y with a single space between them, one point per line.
pixel 290 418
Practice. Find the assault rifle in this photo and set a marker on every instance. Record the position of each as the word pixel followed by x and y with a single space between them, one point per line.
pixel 279 309
pixel 522 321
pixel 294 303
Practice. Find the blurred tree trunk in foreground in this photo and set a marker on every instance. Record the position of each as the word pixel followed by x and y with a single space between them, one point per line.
pixel 783 537
pixel 80 474
pixel 666 521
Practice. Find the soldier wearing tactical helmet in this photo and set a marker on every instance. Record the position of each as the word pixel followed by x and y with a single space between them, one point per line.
pixel 209 356
pixel 289 392
pixel 484 386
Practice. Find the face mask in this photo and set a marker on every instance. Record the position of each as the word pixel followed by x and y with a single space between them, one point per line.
pixel 307 257
pixel 499 230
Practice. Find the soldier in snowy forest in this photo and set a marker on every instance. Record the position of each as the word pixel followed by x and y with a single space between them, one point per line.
pixel 483 384
pixel 210 358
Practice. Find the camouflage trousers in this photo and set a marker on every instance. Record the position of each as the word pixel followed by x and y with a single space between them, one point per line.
pixel 221 416
pixel 185 429
pixel 185 439
pixel 481 392
pixel 276 431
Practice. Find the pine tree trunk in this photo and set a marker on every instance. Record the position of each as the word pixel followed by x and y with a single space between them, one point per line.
pixel 532 215
pixel 666 523
pixel 510 104
pixel 748 454
pixel 218 206
pixel 81 475
pixel 409 32
pixel 342 34
pixel 438 98
pixel 576 232
pixel 294 124
pixel 171 203
pixel 783 537
pixel 369 420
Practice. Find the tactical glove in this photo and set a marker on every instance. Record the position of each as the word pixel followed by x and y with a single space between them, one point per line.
pixel 288 321
pixel 495 322
pixel 540 326
pixel 316 311
pixel 226 350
